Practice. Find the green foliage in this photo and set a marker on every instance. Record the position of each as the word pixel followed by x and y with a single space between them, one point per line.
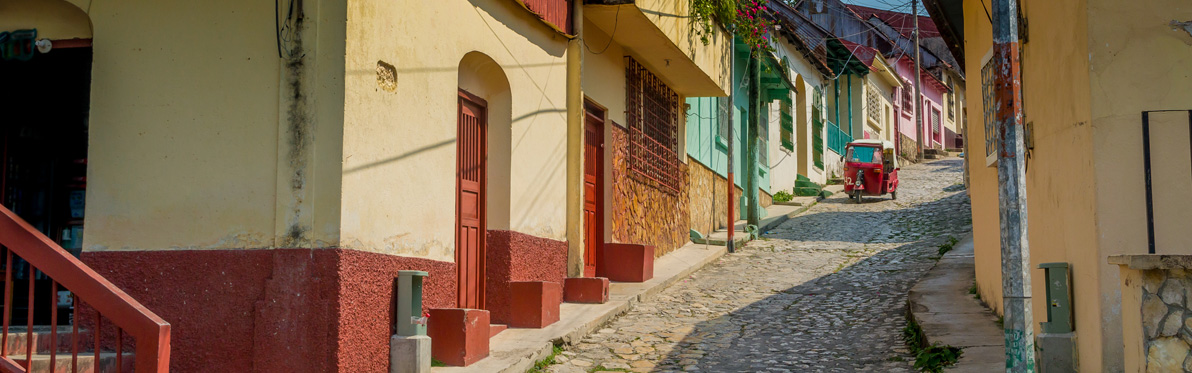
pixel 436 363
pixel 948 246
pixel 742 17
pixel 705 14
pixel 933 358
pixel 540 365
pixel 783 196
pixel 601 368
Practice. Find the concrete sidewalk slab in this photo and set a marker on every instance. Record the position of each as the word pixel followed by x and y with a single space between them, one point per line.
pixel 942 306
pixel 516 350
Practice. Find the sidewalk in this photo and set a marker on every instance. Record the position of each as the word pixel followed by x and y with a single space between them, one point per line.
pixel 516 350
pixel 942 306
pixel 776 214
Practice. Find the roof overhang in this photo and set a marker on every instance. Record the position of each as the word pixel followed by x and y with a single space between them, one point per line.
pixel 885 71
pixel 948 16
pixel 650 46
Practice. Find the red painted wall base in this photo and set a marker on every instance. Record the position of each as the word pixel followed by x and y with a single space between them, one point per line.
pixel 291 310
pixel 514 256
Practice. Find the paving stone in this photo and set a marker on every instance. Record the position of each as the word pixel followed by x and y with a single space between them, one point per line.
pixel 824 292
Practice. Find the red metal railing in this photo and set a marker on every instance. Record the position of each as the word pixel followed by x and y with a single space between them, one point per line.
pixel 150 333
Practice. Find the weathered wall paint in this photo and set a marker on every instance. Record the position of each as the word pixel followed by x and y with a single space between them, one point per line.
pixel 399 148
pixel 1083 92
pixel 184 143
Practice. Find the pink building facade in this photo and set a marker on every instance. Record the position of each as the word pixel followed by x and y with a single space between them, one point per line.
pixel 931 114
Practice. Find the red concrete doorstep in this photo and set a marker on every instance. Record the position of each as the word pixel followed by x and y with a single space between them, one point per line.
pixel 628 262
pixel 494 329
pixel 585 290
pixel 459 336
pixel 535 303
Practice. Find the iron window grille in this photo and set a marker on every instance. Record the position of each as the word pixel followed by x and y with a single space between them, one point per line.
pixel 873 104
pixel 951 100
pixel 989 109
pixel 652 117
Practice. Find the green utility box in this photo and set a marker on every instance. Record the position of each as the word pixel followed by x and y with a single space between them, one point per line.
pixel 1059 300
pixel 410 321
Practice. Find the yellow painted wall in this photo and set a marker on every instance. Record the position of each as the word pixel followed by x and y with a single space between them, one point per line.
pixel 1083 91
pixel 1137 62
pixel 399 147
pixel 672 18
pixel 185 127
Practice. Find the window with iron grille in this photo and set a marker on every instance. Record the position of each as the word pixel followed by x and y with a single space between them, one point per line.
pixel 873 103
pixel 817 128
pixel 935 122
pixel 652 117
pixel 951 100
pixel 908 102
pixel 989 112
pixel 724 116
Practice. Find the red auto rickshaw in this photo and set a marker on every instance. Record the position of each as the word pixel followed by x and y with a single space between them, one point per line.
pixel 870 169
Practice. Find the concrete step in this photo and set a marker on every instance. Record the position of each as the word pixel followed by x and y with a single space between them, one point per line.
pixel 493 329
pixel 86 361
pixel 19 338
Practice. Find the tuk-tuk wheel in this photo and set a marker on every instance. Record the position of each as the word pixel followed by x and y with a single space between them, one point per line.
pixel 859 196
pixel 894 195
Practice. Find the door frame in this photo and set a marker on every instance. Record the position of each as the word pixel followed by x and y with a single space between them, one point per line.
pixel 590 108
pixel 482 203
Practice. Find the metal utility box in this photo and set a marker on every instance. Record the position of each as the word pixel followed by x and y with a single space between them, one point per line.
pixel 410 321
pixel 1059 301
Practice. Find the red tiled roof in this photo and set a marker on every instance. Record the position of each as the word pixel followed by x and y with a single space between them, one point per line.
pixel 862 53
pixel 901 22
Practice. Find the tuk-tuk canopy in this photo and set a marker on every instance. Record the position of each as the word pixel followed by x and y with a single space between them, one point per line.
pixel 887 148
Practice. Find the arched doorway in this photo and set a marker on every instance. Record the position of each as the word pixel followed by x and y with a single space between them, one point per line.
pixel 483 170
pixel 45 102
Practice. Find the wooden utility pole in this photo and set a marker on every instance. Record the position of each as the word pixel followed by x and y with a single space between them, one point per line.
pixel 1011 171
pixel 732 223
pixel 918 88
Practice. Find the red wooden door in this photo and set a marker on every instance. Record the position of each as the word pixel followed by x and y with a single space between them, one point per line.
pixel 470 178
pixel 593 190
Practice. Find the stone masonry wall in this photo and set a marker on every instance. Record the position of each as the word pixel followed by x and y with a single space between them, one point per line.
pixel 644 213
pixel 1167 320
pixel 708 199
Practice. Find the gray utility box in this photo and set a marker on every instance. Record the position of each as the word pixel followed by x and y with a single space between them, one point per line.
pixel 1057 343
pixel 409 350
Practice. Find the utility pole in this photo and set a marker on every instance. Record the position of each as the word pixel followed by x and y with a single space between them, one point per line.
pixel 1011 170
pixel 732 223
pixel 753 216
pixel 918 88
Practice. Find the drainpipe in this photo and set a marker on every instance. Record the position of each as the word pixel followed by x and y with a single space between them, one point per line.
pixel 850 105
pixel 575 144
pixel 1011 170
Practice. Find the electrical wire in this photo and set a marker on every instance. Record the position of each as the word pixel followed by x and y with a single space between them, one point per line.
pixel 616 23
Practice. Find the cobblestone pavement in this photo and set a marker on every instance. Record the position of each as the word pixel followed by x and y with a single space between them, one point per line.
pixel 824 291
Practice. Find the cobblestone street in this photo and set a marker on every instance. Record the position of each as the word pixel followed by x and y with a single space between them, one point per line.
pixel 824 291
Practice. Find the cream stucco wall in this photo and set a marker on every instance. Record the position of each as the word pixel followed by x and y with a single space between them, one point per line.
pixel 399 147
pixel 806 79
pixel 188 130
pixel 53 19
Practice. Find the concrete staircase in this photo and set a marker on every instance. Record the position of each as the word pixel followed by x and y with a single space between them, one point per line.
pixel 19 339
pixel 934 153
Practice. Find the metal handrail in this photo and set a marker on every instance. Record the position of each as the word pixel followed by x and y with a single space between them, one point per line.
pixel 151 332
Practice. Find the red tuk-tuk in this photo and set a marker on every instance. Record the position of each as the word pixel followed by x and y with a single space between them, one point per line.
pixel 870 169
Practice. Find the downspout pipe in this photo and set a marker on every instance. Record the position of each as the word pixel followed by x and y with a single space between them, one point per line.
pixel 575 143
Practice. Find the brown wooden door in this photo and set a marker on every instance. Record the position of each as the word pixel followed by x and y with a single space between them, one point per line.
pixel 593 190
pixel 470 178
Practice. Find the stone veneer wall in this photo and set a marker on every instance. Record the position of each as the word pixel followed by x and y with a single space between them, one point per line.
pixel 706 214
pixel 907 147
pixel 1167 320
pixel 765 198
pixel 642 212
